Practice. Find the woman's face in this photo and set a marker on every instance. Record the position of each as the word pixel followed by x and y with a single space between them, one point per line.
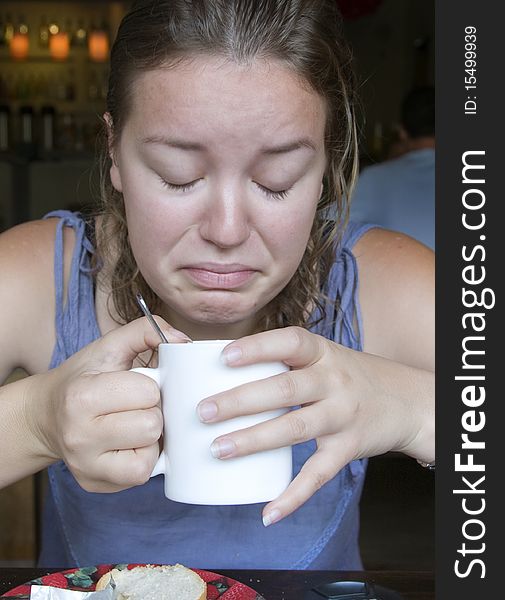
pixel 221 169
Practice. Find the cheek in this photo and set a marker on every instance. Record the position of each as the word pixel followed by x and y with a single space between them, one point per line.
pixel 289 236
pixel 153 225
pixel 153 234
pixel 148 209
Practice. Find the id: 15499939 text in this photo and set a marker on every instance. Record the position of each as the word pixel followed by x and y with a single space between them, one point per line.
pixel 471 70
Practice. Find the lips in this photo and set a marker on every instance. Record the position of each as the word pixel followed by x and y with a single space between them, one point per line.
pixel 220 276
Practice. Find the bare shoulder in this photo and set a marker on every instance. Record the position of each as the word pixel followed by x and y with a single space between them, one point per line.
pixel 397 289
pixel 27 294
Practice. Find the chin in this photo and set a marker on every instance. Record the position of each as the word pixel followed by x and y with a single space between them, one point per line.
pixel 221 311
pixel 217 315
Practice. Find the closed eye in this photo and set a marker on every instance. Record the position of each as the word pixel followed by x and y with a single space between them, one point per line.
pixel 276 195
pixel 184 187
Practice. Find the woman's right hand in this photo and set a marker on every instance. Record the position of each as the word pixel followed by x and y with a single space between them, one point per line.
pixel 101 419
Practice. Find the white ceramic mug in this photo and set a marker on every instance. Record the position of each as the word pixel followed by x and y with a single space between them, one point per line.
pixel 186 374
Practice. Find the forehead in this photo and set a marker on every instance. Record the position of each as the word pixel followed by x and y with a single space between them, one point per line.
pixel 220 100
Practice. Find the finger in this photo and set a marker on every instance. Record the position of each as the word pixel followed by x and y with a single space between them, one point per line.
pixel 294 427
pixel 129 430
pixel 288 389
pixel 294 346
pixel 117 349
pixel 118 470
pixel 322 466
pixel 105 393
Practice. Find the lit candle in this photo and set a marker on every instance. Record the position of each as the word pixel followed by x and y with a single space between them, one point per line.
pixel 98 46
pixel 59 46
pixel 19 46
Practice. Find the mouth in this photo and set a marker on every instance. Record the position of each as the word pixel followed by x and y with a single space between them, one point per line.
pixel 220 276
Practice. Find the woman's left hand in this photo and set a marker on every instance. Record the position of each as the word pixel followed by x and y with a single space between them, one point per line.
pixel 353 404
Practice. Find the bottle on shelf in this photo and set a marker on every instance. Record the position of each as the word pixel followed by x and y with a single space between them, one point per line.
pixel 4 91
pixel 22 27
pixel 68 28
pixel 5 137
pixel 48 124
pixel 79 135
pixel 80 35
pixel 104 26
pixel 70 86
pixel 44 32
pixel 60 88
pixel 27 141
pixel 2 32
pixel 40 86
pixel 53 27
pixel 52 88
pixel 8 29
pixel 21 87
pixel 8 87
pixel 26 116
pixel 66 133
pixel 93 90
pixel 30 83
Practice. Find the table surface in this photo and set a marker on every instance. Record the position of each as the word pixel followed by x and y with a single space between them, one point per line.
pixel 284 585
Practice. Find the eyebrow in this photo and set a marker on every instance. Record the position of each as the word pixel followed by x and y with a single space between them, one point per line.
pixel 173 143
pixel 290 147
pixel 195 147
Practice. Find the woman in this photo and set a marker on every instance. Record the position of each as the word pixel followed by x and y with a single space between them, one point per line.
pixel 230 134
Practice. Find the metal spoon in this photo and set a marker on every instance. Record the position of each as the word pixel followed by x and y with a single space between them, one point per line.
pixel 143 306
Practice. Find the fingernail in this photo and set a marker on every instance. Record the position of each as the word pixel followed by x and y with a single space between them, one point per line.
pixel 271 517
pixel 231 355
pixel 207 411
pixel 222 448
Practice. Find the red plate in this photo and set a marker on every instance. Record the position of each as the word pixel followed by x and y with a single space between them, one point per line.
pixel 84 580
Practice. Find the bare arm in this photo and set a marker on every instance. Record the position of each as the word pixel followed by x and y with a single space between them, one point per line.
pixel 397 289
pixel 22 450
pixel 27 295
pixel 26 340
pixel 103 421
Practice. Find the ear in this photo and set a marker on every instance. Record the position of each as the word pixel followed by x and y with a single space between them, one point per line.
pixel 115 175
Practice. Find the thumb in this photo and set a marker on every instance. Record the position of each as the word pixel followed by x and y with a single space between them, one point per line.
pixel 118 348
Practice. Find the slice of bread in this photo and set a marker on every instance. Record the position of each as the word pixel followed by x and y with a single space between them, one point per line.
pixel 149 582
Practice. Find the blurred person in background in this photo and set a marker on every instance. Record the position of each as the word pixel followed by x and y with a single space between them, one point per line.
pixel 399 193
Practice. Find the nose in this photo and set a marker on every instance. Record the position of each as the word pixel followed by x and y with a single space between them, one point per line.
pixel 226 221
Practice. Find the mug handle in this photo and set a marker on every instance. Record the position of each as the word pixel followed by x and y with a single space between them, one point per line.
pixel 155 375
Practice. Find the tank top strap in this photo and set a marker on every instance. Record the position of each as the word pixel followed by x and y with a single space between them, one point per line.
pixel 342 322
pixel 75 319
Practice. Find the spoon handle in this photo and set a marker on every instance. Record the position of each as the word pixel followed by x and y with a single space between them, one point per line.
pixel 147 312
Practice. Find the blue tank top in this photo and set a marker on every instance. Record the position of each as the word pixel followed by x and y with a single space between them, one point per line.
pixel 140 525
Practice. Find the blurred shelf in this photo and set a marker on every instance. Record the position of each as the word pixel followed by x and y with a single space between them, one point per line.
pixel 37 59
pixel 71 60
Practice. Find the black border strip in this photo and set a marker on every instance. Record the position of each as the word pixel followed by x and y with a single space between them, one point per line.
pixel 458 133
